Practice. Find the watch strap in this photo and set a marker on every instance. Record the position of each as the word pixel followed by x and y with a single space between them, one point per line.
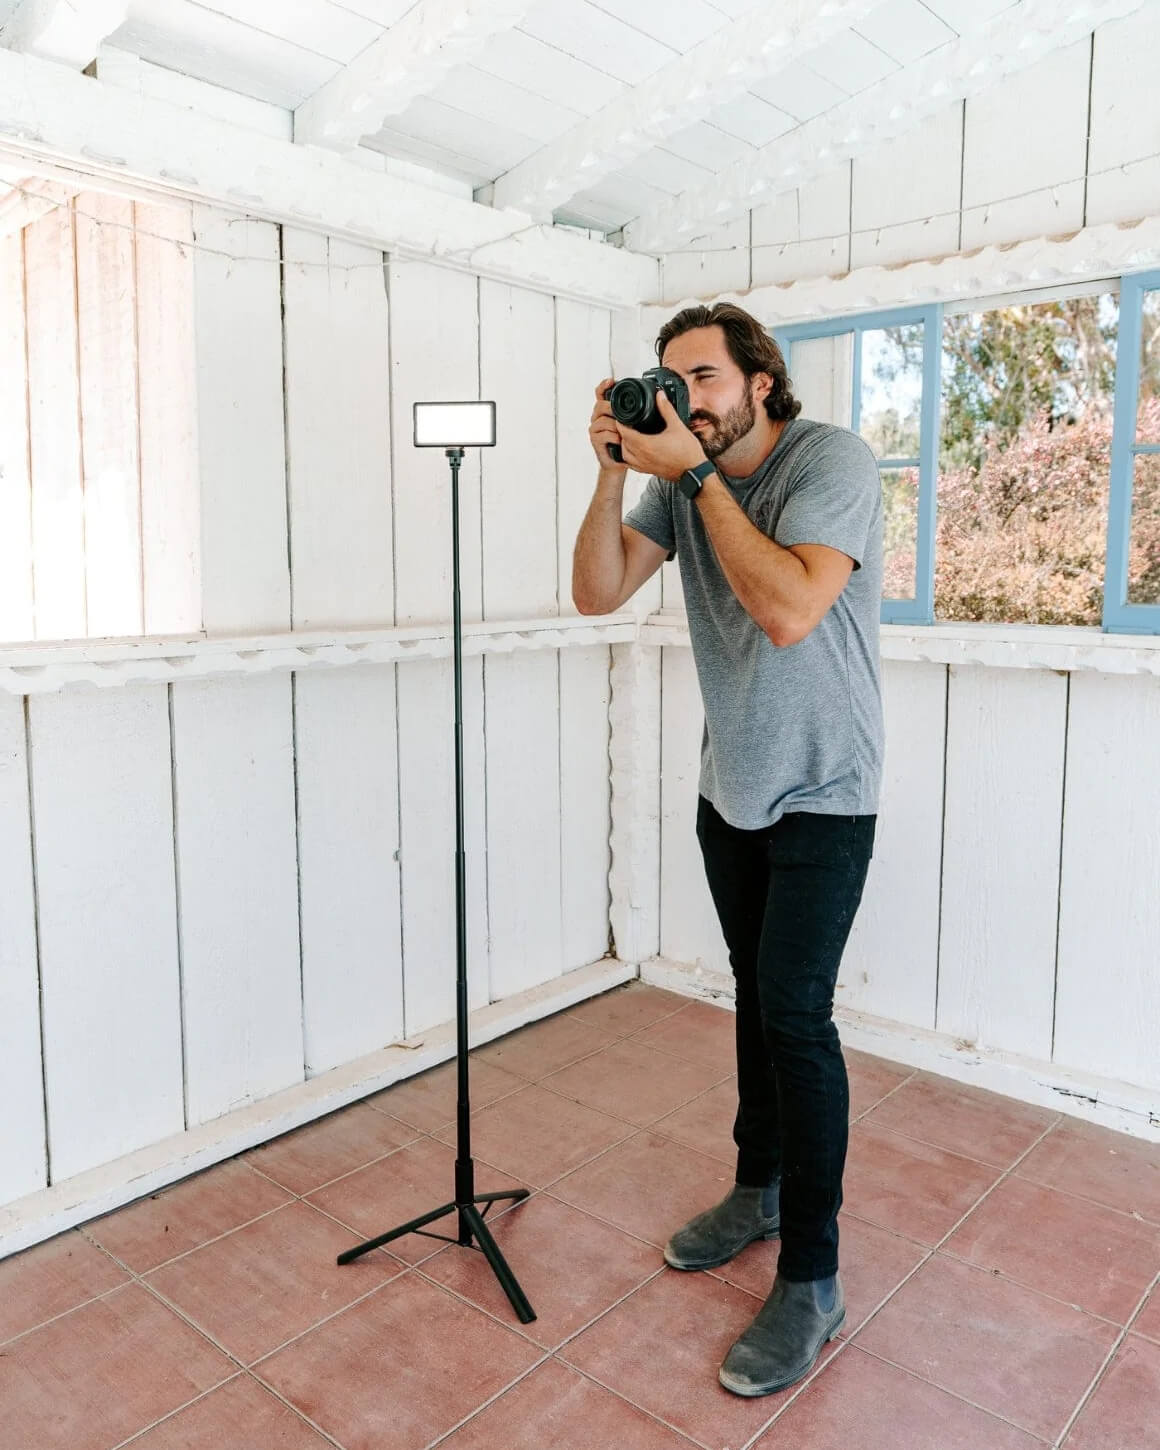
pixel 691 480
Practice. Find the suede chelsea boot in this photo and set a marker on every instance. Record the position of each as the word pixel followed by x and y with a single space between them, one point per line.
pixel 715 1236
pixel 784 1341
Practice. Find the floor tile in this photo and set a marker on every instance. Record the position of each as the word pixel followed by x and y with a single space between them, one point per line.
pixel 647 1186
pixel 871 1079
pixel 1001 1346
pixel 413 1181
pixel 706 1123
pixel 178 1219
pixel 339 1143
pixel 964 1119
pixel 912 1188
pixel 399 1369
pixel 633 1082
pixel 860 1402
pixel 628 1009
pixel 661 1349
pixel 699 1031
pixel 538 1135
pixel 47 1280
pixel 1124 1411
pixel 873 1264
pixel 428 1101
pixel 1084 1254
pixel 240 1415
pixel 1095 1163
pixel 555 1408
pixel 1148 1324
pixel 92 1378
pixel 571 1266
pixel 544 1047
pixel 254 1289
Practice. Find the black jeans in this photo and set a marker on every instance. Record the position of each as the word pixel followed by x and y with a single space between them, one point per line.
pixel 786 897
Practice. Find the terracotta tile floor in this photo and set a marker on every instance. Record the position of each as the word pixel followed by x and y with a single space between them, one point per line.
pixel 1001 1266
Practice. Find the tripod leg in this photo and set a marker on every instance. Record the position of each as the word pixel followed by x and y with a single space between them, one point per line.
pixel 516 1194
pixel 524 1311
pixel 396 1233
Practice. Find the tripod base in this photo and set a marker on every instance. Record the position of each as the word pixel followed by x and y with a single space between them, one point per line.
pixel 471 1226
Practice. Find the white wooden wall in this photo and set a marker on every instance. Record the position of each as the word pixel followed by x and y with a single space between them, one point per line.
pixel 956 181
pixel 1012 901
pixel 218 888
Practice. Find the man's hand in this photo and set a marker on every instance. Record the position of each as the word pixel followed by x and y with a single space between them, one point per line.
pixel 604 429
pixel 666 454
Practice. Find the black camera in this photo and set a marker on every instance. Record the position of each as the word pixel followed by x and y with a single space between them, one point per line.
pixel 634 403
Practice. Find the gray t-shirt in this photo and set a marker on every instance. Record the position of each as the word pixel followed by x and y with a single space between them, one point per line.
pixel 797 728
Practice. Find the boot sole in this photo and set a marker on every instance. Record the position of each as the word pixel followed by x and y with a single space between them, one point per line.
pixel 687 1264
pixel 749 1391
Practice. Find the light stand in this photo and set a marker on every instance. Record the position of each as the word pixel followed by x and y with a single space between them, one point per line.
pixel 474 424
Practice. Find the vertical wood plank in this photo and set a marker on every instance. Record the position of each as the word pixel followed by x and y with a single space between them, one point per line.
pixel 241 448
pixel 338 433
pixel 517 369
pixel 583 357
pixel 523 821
pixel 585 803
pixel 16 616
pixel 690 931
pixel 106 321
pixel 1108 1004
pixel 170 482
pixel 237 873
pixel 23 1163
pixel 102 806
pixel 58 523
pixel 890 967
pixel 1004 788
pixel 348 837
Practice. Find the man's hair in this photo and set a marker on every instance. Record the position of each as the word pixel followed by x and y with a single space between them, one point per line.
pixel 750 347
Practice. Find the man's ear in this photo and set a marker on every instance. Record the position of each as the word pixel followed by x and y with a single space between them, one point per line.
pixel 762 385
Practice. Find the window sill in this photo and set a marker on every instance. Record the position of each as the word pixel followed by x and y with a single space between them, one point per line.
pixel 1003 646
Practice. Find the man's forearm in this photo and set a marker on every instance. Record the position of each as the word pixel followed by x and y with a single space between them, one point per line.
pixel 598 560
pixel 770 582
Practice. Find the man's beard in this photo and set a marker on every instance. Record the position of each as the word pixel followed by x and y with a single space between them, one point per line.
pixel 722 433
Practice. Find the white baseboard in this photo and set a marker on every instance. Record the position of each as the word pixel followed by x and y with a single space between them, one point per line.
pixel 50 1211
pixel 1121 1106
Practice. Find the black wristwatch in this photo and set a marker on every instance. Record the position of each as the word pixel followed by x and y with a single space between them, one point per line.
pixel 691 480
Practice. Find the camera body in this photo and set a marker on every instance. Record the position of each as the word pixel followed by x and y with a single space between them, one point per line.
pixel 634 402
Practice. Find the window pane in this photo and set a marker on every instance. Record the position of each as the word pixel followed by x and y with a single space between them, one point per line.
pixel 892 390
pixel 823 377
pixel 1028 403
pixel 1148 416
pixel 1144 552
pixel 900 532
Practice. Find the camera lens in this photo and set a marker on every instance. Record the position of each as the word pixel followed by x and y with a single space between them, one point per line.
pixel 631 401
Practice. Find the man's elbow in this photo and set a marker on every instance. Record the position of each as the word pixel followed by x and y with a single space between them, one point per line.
pixel 588 603
pixel 785 630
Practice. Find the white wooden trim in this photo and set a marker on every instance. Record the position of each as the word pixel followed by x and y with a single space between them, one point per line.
pixel 1080 1095
pixel 408 60
pixel 50 1211
pixel 1017 38
pixel 725 65
pixel 1006 646
pixel 634 750
pixel 118 139
pixel 62 30
pixel 36 669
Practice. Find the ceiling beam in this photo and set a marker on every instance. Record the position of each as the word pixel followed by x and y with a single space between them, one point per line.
pixel 69 32
pixel 722 67
pixel 1014 40
pixel 81 129
pixel 408 60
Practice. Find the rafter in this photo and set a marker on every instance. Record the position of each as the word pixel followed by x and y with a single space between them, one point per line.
pixel 1014 40
pixel 78 127
pixel 67 31
pixel 409 60
pixel 722 67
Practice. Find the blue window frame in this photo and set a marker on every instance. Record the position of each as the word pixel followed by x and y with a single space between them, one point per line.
pixel 1130 453
pixel 918 609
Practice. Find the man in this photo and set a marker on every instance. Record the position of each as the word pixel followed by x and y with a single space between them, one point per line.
pixel 777 526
